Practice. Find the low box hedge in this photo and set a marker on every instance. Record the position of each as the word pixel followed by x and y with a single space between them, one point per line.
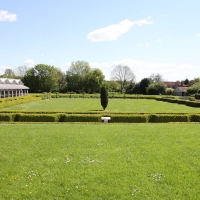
pixel 115 118
pixel 192 103
pixel 21 117
pixel 79 118
pixel 194 118
pixel 164 118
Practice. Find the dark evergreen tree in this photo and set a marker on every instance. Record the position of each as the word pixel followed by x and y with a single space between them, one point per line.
pixel 144 83
pixel 104 97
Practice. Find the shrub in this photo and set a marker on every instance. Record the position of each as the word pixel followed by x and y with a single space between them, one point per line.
pixel 104 97
pixel 128 118
pixel 79 118
pixel 35 117
pixel 164 118
pixel 5 117
pixel 194 118
pixel 169 91
pixel 180 101
pixel 192 103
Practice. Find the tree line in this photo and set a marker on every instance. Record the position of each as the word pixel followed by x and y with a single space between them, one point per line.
pixel 81 78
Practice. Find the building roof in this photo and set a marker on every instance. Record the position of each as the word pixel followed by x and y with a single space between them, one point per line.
pixel 172 83
pixel 11 84
pixel 182 89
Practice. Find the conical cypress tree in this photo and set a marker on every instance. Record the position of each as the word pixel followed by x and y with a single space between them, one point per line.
pixel 104 97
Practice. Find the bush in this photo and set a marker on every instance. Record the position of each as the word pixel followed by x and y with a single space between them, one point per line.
pixel 164 118
pixel 79 118
pixel 5 117
pixel 35 117
pixel 6 102
pixel 192 103
pixel 169 91
pixel 180 101
pixel 194 118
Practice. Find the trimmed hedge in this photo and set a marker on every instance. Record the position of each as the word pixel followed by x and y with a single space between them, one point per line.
pixel 115 96
pixel 164 118
pixel 35 117
pixel 192 103
pixel 79 118
pixel 115 118
pixel 194 118
pixel 180 101
pixel 6 102
pixel 5 117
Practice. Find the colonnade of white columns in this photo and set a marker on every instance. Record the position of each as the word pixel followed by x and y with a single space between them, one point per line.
pixel 13 93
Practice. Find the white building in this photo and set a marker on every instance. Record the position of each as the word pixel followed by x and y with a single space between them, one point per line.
pixel 12 87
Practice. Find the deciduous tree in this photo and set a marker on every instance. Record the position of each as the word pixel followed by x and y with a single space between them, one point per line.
pixel 76 74
pixel 122 74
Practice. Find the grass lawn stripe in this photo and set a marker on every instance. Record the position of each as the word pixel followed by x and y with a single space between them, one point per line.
pixel 98 161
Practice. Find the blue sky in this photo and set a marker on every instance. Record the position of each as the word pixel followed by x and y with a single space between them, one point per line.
pixel 149 36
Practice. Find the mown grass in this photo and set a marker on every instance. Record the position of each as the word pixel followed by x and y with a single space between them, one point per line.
pixel 98 161
pixel 114 105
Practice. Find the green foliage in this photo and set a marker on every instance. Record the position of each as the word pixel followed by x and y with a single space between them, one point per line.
pixel 9 73
pixel 93 80
pixel 144 83
pixel 35 117
pixel 156 88
pixel 42 78
pixel 96 117
pixel 193 103
pixel 79 118
pixel 81 78
pixel 164 118
pixel 104 97
pixel 194 88
pixel 169 91
pixel 5 117
pixel 194 118
pixel 7 102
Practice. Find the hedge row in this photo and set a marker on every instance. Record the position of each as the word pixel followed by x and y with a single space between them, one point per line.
pixel 6 102
pixel 128 118
pixel 102 113
pixel 119 96
pixel 180 101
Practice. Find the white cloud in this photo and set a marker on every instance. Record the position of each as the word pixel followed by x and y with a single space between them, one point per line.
pixel 159 40
pixel 198 35
pixel 112 32
pixel 2 69
pixel 29 62
pixel 6 16
pixel 42 54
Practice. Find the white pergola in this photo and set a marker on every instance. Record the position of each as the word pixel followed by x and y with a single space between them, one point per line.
pixel 12 87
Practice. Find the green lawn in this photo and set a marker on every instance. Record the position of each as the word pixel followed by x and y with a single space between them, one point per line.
pixel 100 161
pixel 114 105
